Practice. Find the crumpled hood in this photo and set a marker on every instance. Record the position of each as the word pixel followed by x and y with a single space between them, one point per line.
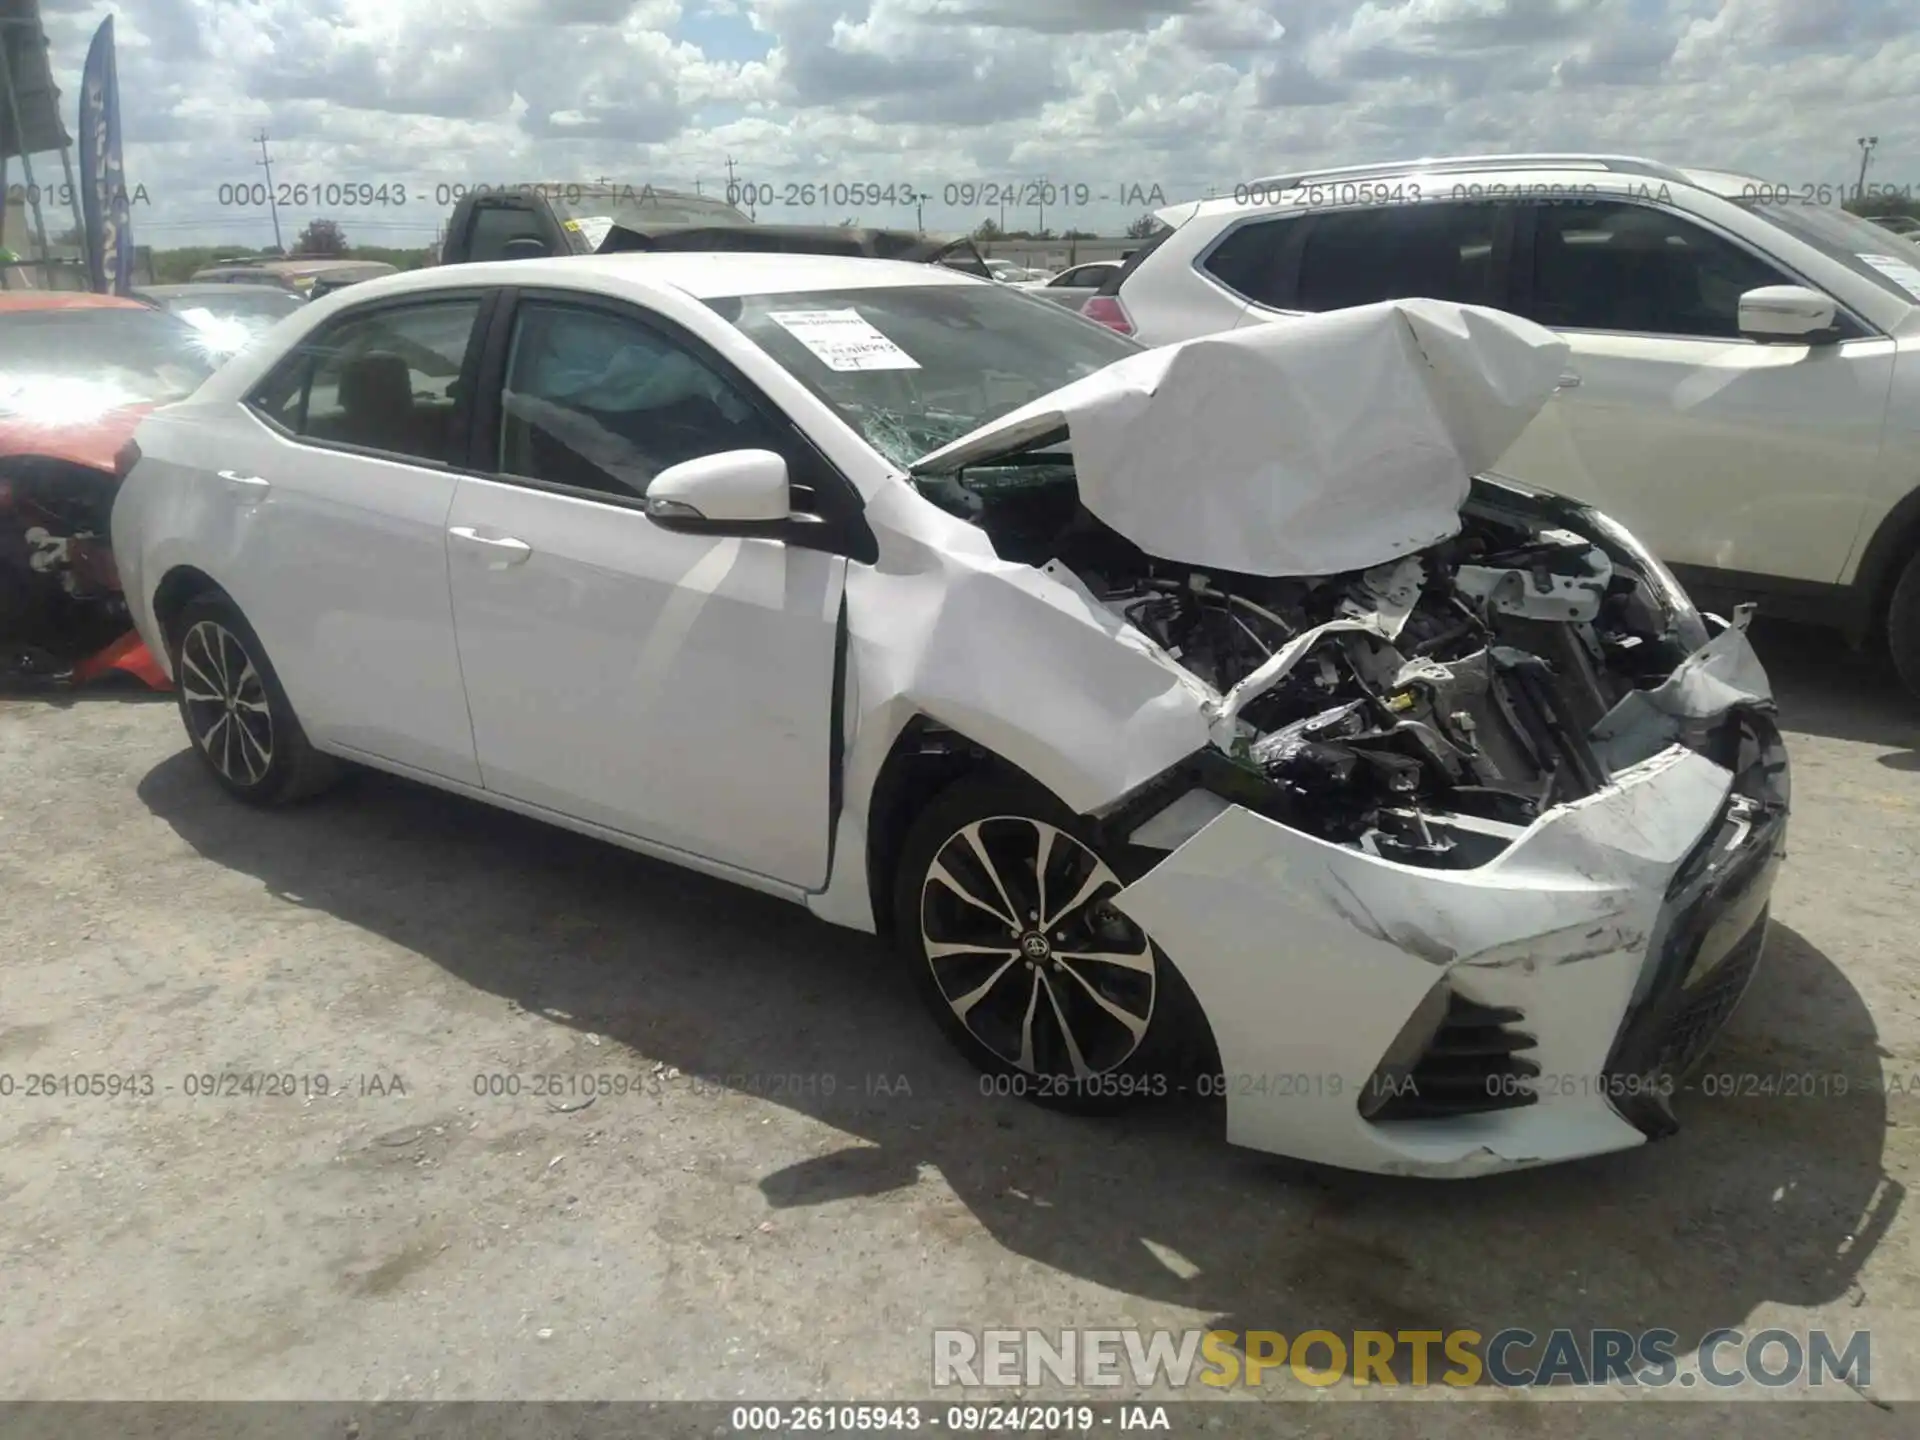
pixel 1310 446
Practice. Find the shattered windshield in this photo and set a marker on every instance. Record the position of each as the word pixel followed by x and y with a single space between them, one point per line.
pixel 912 367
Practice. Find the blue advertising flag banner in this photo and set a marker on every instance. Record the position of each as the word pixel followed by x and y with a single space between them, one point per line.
pixel 103 184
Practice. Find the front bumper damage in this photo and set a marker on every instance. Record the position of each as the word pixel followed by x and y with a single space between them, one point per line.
pixel 1540 1007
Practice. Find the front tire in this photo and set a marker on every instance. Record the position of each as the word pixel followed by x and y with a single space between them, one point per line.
pixel 1903 625
pixel 1002 898
pixel 239 719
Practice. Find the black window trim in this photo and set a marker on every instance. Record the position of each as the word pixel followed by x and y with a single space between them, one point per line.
pixel 302 358
pixel 841 526
pixel 1526 233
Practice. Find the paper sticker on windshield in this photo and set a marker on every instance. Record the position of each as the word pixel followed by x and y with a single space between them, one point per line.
pixel 843 340
pixel 593 228
pixel 1897 270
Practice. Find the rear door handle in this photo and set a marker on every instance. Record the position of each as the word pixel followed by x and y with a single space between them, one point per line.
pixel 505 549
pixel 251 486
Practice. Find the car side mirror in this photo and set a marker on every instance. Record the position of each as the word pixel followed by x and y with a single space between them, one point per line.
pixel 737 492
pixel 1787 314
pixel 525 247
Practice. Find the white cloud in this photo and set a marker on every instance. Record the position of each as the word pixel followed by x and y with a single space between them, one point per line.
pixel 1109 94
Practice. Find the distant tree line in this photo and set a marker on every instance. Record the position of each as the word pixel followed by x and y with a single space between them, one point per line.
pixel 990 230
pixel 319 237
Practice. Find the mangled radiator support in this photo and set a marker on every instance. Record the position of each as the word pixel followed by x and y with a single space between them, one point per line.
pixel 1452 926
pixel 1458 865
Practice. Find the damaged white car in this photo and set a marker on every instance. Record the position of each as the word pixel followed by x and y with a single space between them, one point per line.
pixel 1193 718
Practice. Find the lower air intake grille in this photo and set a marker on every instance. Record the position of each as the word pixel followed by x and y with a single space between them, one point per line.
pixel 1472 1066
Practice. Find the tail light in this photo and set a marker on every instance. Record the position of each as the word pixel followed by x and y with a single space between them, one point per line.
pixel 124 459
pixel 1108 311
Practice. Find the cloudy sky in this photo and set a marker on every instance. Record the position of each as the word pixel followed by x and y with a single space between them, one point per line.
pixel 1112 98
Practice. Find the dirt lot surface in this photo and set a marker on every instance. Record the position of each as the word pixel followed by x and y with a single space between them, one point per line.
pixel 800 1180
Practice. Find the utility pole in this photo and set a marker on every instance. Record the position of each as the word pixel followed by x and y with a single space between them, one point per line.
pixel 266 161
pixel 920 198
pixel 733 192
pixel 1866 143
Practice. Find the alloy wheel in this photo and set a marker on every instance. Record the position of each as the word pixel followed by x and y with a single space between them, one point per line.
pixel 225 701
pixel 1030 954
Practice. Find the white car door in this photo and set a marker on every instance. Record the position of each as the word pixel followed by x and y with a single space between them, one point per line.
pixel 337 472
pixel 1723 453
pixel 678 688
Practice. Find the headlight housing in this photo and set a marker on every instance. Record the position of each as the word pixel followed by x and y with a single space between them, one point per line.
pixel 1688 626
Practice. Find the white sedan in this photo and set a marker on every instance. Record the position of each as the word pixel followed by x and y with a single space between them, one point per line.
pixel 1192 718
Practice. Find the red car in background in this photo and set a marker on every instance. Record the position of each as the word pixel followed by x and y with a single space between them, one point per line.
pixel 77 374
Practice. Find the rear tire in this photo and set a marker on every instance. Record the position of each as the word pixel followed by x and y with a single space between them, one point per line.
pixel 236 715
pixel 1056 996
pixel 1903 625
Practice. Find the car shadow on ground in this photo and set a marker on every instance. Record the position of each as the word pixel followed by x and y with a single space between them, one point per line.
pixel 1826 689
pixel 1761 1198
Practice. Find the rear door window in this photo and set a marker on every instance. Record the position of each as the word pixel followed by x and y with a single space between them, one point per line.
pixel 385 380
pixel 1432 251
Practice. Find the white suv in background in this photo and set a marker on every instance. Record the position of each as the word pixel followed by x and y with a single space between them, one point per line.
pixel 1744 390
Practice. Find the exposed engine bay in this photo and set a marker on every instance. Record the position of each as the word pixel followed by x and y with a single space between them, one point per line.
pixel 1426 710
pixel 60 595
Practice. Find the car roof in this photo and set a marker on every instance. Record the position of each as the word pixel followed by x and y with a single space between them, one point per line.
pixel 1729 184
pixel 64 300
pixel 705 275
pixel 1602 172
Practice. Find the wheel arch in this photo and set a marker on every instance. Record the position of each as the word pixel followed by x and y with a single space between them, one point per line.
pixel 926 757
pixel 1895 540
pixel 177 588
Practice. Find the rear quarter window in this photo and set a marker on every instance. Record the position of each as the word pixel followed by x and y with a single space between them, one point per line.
pixel 1246 260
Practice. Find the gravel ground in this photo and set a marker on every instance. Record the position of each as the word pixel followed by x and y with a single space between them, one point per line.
pixel 800 1181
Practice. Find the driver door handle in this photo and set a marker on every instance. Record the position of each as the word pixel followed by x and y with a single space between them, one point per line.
pixel 251 486
pixel 505 550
